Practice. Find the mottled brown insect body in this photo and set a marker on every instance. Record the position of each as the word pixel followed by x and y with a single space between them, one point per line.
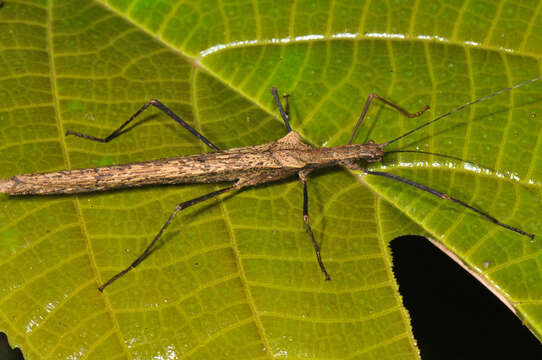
pixel 249 166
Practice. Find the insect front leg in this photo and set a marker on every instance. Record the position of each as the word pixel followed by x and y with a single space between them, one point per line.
pixel 158 105
pixel 445 196
pixel 303 178
pixel 387 102
pixel 178 208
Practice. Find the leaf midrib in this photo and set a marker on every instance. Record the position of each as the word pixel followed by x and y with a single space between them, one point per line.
pixel 229 226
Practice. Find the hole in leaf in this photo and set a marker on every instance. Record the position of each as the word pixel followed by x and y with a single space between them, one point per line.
pixel 454 316
pixel 6 352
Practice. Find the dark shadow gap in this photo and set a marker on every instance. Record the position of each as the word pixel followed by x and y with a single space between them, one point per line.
pixel 453 316
pixel 6 352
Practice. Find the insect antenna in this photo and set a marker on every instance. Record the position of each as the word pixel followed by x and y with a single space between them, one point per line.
pixel 437 154
pixel 483 98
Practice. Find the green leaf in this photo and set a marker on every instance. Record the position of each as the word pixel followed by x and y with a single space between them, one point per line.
pixel 237 278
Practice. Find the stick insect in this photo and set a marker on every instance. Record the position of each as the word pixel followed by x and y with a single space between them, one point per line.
pixel 243 167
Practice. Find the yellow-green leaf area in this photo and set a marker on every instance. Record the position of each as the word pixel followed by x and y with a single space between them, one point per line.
pixel 237 277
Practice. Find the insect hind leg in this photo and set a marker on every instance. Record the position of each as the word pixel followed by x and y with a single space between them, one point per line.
pixel 121 130
pixel 150 247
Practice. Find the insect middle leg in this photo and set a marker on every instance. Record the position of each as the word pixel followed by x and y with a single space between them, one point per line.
pixel 387 102
pixel 158 105
pixel 149 247
pixel 303 178
pixel 283 113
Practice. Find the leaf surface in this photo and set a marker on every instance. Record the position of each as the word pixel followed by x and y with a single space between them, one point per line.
pixel 237 278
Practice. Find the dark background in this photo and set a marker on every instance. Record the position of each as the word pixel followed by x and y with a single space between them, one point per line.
pixel 6 353
pixel 453 315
